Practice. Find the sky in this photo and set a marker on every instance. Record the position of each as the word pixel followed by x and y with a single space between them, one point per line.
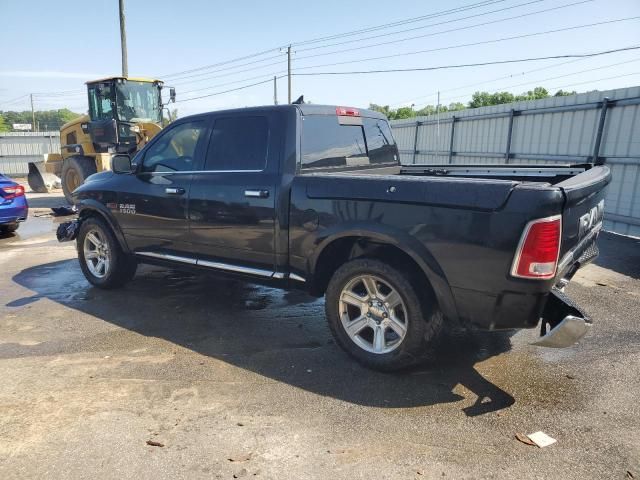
pixel 51 48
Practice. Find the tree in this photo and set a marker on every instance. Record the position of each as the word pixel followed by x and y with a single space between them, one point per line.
pixel 4 127
pixel 48 119
pixel 563 93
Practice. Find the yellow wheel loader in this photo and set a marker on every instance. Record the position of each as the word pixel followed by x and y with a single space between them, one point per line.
pixel 124 114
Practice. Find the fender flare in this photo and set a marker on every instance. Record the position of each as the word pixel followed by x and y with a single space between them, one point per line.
pixel 402 240
pixel 88 207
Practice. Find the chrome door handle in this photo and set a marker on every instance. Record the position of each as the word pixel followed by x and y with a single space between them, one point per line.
pixel 174 190
pixel 256 193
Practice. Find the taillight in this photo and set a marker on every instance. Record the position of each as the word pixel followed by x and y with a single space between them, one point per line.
pixel 12 192
pixel 538 250
pixel 347 111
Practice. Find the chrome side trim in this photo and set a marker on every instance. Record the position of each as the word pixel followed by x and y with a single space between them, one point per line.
pixel 166 256
pixel 235 268
pixel 201 171
pixel 223 266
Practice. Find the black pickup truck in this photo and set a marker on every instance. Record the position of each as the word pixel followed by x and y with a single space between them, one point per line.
pixel 314 197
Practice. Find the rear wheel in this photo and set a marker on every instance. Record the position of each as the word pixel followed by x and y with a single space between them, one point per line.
pixel 378 317
pixel 9 227
pixel 75 171
pixel 102 261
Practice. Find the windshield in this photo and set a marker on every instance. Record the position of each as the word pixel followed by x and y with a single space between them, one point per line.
pixel 138 102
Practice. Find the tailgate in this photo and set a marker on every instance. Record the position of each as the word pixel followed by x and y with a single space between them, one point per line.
pixel 583 214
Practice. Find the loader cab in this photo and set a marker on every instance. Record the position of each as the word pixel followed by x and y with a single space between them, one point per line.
pixel 116 106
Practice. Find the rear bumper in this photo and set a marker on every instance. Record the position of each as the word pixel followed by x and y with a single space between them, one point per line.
pixel 13 214
pixel 530 301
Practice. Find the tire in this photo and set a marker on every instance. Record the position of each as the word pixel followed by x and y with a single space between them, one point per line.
pixel 96 238
pixel 417 315
pixel 75 171
pixel 9 227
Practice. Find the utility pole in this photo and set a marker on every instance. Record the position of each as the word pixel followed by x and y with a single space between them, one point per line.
pixel 438 113
pixel 123 41
pixel 275 90
pixel 289 71
pixel 33 114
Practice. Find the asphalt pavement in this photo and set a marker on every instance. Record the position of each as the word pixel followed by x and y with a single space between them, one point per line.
pixel 188 376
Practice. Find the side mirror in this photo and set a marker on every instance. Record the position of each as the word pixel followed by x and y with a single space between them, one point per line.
pixel 172 94
pixel 121 163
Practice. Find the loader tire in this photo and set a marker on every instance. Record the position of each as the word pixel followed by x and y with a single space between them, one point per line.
pixel 75 171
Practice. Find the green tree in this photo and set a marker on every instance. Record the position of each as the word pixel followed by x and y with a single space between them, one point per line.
pixel 47 119
pixel 564 93
pixel 4 127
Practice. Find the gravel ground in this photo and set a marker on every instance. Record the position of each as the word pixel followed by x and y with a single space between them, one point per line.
pixel 235 380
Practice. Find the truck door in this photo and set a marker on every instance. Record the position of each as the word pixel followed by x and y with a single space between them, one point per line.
pixel 232 200
pixel 153 202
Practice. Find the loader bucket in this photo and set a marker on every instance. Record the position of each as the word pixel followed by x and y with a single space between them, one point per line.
pixel 40 180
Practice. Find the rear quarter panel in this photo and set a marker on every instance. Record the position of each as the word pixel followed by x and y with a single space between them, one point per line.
pixel 463 233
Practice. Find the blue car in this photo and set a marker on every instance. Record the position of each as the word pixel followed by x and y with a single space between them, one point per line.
pixel 13 205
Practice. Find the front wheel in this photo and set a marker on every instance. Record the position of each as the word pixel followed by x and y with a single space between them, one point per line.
pixel 9 227
pixel 75 171
pixel 378 317
pixel 102 261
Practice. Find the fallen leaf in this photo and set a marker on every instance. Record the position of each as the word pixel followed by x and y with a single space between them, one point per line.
pixel 240 458
pixel 524 439
pixel 154 443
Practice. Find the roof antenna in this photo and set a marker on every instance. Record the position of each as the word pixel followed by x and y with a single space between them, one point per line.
pixel 299 101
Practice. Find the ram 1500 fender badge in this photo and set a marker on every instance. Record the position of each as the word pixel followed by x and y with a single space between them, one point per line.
pixel 127 208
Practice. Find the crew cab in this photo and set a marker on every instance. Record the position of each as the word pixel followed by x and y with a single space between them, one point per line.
pixel 314 197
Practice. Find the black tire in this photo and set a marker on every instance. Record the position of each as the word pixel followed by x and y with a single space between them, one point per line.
pixel 423 319
pixel 122 267
pixel 9 227
pixel 75 171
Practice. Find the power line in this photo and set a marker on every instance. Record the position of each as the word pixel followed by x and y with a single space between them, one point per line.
pixel 270 75
pixel 14 100
pixel 465 65
pixel 398 23
pixel 553 78
pixel 228 68
pixel 226 62
pixel 227 91
pixel 446 31
pixel 342 35
pixel 462 45
pixel 427 26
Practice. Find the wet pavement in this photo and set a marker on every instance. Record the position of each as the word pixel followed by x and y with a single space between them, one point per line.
pixel 238 379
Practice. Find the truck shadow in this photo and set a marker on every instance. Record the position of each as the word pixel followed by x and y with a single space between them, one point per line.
pixel 619 253
pixel 280 335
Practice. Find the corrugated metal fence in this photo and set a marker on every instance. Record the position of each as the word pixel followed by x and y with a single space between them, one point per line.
pixel 17 149
pixel 604 126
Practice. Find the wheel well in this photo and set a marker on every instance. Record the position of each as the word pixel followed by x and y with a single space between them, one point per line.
pixel 93 212
pixel 342 250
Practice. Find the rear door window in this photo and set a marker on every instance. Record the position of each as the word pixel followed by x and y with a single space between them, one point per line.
pixel 380 143
pixel 238 143
pixel 328 144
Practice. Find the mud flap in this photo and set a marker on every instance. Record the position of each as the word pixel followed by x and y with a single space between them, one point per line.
pixel 41 181
pixel 562 323
pixel 68 231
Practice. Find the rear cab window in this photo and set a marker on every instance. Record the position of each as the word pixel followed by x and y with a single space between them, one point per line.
pixel 331 144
